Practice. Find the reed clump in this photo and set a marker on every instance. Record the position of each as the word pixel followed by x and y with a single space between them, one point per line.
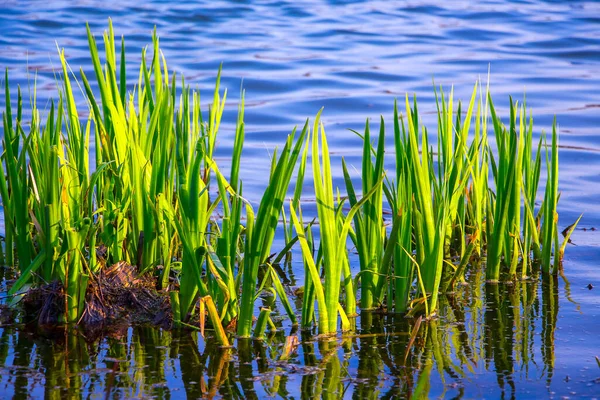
pixel 144 197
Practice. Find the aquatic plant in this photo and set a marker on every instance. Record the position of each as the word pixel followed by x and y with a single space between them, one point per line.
pixel 145 197
pixel 369 232
pixel 333 255
pixel 260 230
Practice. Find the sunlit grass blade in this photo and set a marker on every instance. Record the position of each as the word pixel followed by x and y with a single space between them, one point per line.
pixel 550 217
pixel 258 244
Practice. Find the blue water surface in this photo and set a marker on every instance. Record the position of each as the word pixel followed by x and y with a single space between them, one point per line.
pixel 353 58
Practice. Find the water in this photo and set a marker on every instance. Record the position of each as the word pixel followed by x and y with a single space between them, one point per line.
pixel 353 59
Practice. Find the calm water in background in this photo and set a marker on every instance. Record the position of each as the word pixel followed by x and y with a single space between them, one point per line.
pixel 353 58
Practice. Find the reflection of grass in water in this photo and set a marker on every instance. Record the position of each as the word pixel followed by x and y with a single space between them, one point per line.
pixel 445 350
pixel 549 319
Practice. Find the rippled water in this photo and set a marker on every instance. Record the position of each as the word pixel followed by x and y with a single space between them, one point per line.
pixel 353 58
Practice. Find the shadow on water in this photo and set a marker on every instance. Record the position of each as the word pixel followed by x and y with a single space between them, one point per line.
pixel 497 339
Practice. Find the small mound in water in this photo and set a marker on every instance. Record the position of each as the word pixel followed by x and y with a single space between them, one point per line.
pixel 117 294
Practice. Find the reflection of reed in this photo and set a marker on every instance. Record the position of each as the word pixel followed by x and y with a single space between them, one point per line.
pixel 309 386
pixel 191 362
pixel 370 364
pixel 493 326
pixel 332 370
pixel 150 354
pixel 62 365
pixel 456 336
pixel 385 350
pixel 246 359
pixel 7 333
pixel 525 299
pixel 510 317
pixel 323 378
pixel 549 318
pixel 23 348
pixel 217 370
pixel 475 303
pixel 499 336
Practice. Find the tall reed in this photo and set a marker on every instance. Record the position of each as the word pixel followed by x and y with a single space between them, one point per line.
pixel 369 232
pixel 258 241
pixel 334 229
pixel 146 197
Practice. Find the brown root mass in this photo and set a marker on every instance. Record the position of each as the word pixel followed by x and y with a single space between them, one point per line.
pixel 117 294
